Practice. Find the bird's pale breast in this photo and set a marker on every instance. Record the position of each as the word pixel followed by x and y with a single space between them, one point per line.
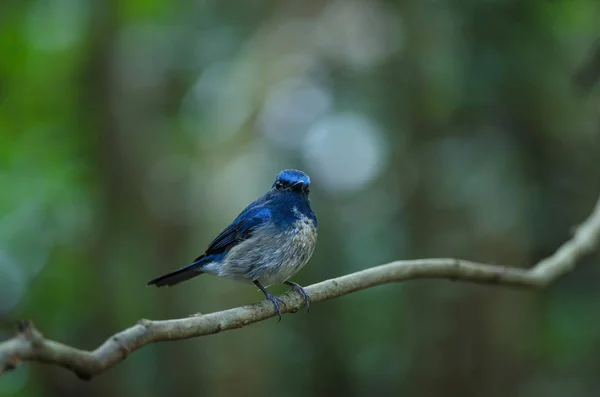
pixel 297 248
pixel 272 255
pixel 304 233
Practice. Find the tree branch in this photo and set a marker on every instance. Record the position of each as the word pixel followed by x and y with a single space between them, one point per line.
pixel 30 345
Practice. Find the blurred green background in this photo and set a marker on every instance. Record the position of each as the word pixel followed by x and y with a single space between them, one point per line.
pixel 133 131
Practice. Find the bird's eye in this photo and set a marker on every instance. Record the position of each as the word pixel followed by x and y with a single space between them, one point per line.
pixel 307 189
pixel 278 185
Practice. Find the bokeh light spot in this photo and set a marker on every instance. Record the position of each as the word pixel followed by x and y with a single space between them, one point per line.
pixel 345 152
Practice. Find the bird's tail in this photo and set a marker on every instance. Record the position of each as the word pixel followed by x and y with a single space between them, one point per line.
pixel 185 273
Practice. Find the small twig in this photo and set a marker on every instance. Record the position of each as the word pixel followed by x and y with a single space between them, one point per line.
pixel 30 345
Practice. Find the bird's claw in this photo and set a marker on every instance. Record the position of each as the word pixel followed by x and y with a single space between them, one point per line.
pixel 277 302
pixel 296 287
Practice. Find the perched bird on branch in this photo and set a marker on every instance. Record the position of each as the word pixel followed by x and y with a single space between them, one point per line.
pixel 269 241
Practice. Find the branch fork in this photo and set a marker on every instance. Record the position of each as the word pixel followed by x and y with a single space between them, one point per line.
pixel 30 345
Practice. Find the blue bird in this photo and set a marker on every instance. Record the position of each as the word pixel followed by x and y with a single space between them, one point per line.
pixel 269 241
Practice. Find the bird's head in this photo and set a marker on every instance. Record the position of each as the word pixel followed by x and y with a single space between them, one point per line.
pixel 292 180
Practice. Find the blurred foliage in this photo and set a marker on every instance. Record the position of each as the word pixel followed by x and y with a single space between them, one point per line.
pixel 132 131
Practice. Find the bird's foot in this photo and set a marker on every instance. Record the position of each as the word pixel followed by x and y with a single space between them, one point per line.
pixel 301 291
pixel 276 301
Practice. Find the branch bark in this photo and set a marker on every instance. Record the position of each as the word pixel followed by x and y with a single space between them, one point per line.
pixel 30 345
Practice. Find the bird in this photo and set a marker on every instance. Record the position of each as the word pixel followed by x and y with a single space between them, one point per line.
pixel 268 242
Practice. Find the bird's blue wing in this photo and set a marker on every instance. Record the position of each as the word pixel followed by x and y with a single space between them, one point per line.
pixel 240 229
